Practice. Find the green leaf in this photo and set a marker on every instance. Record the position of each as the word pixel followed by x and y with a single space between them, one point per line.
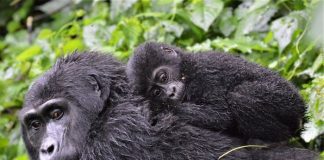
pixel 29 53
pixel 125 36
pixel 256 21
pixel 3 142
pixel 165 6
pixel 204 12
pixel 73 45
pixel 319 61
pixel 53 6
pixel 13 26
pixel 173 27
pixel 283 30
pixel 22 157
pixel 96 35
pixel 45 33
pixel 120 6
pixel 258 4
pixel 227 22
pixel 195 31
pixel 243 44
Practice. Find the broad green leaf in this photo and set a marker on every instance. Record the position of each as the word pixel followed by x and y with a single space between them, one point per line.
pixel 172 27
pixel 164 5
pixel 283 30
pixel 195 31
pixel 29 53
pixel 96 35
pixel 13 26
pixel 245 45
pixel 243 9
pixel 285 27
pixel 3 142
pixel 125 36
pixel 204 12
pixel 256 21
pixel 227 22
pixel 248 6
pixel 205 46
pixel 53 6
pixel 319 62
pixel 73 45
pixel 154 33
pixel 120 6
pixel 45 33
pixel 258 4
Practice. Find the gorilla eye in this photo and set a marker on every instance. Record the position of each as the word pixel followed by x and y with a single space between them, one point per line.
pixel 156 92
pixel 56 114
pixel 35 124
pixel 163 77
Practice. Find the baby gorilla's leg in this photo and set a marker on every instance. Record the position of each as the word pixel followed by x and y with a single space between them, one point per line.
pixel 262 110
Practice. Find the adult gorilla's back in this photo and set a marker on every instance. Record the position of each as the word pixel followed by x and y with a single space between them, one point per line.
pixel 79 109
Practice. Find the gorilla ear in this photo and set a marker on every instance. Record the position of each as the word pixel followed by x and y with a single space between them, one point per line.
pixel 95 83
pixel 98 87
pixel 169 51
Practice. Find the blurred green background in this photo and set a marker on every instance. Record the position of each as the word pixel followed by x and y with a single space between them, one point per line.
pixel 283 35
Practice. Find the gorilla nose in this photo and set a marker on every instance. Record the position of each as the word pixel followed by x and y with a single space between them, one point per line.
pixel 173 90
pixel 48 149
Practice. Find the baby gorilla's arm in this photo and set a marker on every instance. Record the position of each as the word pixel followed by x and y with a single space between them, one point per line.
pixel 205 116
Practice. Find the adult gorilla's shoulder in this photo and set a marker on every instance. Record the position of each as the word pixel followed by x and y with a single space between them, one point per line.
pixel 79 110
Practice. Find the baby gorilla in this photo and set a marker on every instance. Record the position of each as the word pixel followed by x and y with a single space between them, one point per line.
pixel 216 91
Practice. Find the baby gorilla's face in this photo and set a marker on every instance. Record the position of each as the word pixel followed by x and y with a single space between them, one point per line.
pixel 165 85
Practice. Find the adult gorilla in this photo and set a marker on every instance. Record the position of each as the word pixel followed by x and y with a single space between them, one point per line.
pixel 79 110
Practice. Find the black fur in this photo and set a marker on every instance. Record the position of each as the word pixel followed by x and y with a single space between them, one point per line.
pixel 104 123
pixel 221 92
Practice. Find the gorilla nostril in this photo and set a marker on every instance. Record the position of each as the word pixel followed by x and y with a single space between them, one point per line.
pixel 172 95
pixel 50 149
pixel 174 89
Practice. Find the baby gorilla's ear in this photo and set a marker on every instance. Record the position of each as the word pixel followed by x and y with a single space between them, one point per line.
pixel 169 51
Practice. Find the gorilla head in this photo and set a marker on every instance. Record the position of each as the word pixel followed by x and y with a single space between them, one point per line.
pixel 60 106
pixel 154 72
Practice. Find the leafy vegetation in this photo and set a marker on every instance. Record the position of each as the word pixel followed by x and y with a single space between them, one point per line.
pixel 283 35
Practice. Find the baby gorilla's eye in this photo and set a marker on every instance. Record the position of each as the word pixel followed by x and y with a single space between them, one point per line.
pixel 35 124
pixel 163 77
pixel 156 92
pixel 56 114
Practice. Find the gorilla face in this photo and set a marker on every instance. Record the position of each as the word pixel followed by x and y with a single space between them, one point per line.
pixel 60 106
pixel 154 72
pixel 47 127
pixel 165 86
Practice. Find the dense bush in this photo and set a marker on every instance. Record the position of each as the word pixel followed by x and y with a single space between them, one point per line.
pixel 283 35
